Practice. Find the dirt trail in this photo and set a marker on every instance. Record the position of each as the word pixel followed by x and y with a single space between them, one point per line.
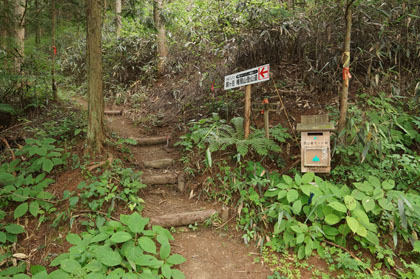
pixel 210 253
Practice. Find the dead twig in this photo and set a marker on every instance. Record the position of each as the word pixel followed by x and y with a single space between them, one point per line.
pixel 109 161
pixel 222 225
pixel 8 147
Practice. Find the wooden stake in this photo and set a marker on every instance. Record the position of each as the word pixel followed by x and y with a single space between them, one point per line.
pixel 247 116
pixel 266 121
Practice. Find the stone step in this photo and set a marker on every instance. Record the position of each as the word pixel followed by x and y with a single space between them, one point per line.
pixel 167 178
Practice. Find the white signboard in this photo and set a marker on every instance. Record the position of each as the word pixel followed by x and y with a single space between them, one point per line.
pixel 255 75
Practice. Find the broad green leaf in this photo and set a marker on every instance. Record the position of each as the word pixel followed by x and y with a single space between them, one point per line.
pixel 71 266
pixel 298 179
pixel 308 247
pixel 129 275
pixel 368 204
pixel 176 274
pixel 94 266
pixel 47 165
pixel 297 207
pixel 297 229
pixel 99 237
pixel 148 260
pixel 338 206
pixel 281 194
pixel 372 238
pixel 332 219
pixel 21 210
pixel 358 195
pixel 301 252
pixel 374 181
pixel 361 216
pixel 364 187
pixel 361 230
pixel 300 237
pixel 120 237
pixel 287 179
pixel 133 253
pixel 14 229
pixel 350 202
pixel 378 193
pixel 271 193
pixel 34 208
pixel 385 204
pixel 165 250
pixel 388 184
pixel 21 276
pixel 6 178
pixel 107 256
pixel 308 177
pixel 136 223
pixel 208 158
pixel 147 244
pixel 40 275
pixel 352 223
pixel 2 237
pixel 73 239
pixel 59 258
pixel 416 246
pixel 58 274
pixel 166 271
pixel 292 195
pixel 96 275
pixel 331 231
pixel 176 259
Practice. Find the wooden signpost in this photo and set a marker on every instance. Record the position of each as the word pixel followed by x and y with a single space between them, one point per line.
pixel 246 78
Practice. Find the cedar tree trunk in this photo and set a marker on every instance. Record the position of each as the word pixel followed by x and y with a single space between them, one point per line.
pixel 95 132
pixel 161 36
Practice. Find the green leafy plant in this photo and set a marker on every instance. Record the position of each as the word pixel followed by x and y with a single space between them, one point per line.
pixel 117 183
pixel 121 249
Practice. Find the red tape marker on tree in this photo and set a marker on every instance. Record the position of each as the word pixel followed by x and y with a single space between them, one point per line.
pixel 346 73
pixel 55 50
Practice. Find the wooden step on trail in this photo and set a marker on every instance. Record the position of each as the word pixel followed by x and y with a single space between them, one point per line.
pixel 113 112
pixel 160 179
pixel 158 164
pixel 153 140
pixel 183 218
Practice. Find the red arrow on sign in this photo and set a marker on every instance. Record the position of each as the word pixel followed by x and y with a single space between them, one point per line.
pixel 263 72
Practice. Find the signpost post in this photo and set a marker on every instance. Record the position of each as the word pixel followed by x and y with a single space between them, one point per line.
pixel 246 78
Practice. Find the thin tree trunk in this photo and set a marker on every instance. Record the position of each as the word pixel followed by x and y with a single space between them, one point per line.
pixel 19 35
pixel 346 69
pixel 95 133
pixel 37 25
pixel 118 17
pixel 161 36
pixel 54 50
pixel 3 26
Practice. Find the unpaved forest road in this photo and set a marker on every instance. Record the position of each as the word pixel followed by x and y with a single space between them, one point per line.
pixel 210 253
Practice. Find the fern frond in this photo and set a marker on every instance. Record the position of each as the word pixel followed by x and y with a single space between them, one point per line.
pixel 238 124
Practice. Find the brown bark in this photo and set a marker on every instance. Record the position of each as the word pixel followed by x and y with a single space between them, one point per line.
pixel 182 219
pixel 19 34
pixel 3 26
pixel 152 141
pixel 54 50
pixel 118 17
pixel 95 132
pixel 346 70
pixel 247 113
pixel 160 179
pixel 37 25
pixel 161 36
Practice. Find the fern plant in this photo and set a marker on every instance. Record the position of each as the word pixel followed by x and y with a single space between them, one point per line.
pixel 224 136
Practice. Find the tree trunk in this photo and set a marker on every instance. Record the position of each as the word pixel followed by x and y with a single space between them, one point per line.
pixel 19 35
pixel 161 36
pixel 3 26
pixel 54 50
pixel 118 17
pixel 37 25
pixel 95 132
pixel 346 70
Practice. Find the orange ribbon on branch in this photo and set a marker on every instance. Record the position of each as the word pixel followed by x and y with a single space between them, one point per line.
pixel 346 73
pixel 55 50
